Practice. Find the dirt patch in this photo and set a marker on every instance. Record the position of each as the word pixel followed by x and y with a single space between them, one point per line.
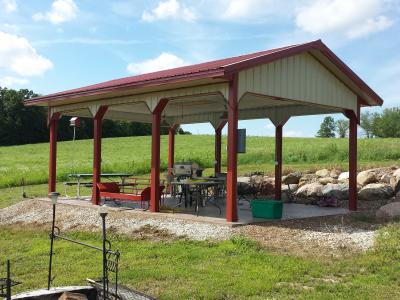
pixel 153 233
pixel 330 236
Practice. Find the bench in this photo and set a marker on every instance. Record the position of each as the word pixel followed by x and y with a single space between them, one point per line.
pixel 111 190
pixel 75 183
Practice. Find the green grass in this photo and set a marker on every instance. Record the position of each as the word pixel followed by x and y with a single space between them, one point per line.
pixel 235 269
pixel 29 163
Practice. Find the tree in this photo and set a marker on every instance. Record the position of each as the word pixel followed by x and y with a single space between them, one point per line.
pixel 387 124
pixel 342 126
pixel 367 123
pixel 20 124
pixel 327 128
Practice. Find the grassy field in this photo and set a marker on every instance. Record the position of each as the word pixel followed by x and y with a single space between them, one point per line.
pixel 28 164
pixel 235 269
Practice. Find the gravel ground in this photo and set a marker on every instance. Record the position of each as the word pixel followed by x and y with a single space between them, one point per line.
pixel 325 236
pixel 86 218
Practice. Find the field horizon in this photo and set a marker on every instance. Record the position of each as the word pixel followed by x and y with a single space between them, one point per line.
pixel 28 164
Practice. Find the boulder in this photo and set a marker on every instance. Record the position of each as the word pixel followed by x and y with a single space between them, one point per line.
pixel 244 179
pixel 395 181
pixel 343 176
pixel 285 191
pixel 313 190
pixel 256 179
pixel 267 187
pixel 292 178
pixel 376 191
pixel 338 191
pixel 245 188
pixel 385 178
pixel 389 212
pixel 308 178
pixel 366 177
pixel 326 180
pixel 334 174
pixel 323 173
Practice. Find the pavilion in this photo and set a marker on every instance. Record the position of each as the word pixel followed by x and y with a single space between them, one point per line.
pixel 297 80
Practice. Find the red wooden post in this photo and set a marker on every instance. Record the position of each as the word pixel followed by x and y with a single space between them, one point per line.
pixel 352 161
pixel 97 130
pixel 52 123
pixel 278 162
pixel 171 147
pixel 231 180
pixel 218 141
pixel 155 156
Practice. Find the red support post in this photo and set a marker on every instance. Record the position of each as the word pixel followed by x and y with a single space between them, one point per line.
pixel 155 156
pixel 52 124
pixel 97 131
pixel 352 161
pixel 278 162
pixel 218 142
pixel 231 180
pixel 171 147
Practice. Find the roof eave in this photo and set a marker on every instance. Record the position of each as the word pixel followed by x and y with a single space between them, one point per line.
pixel 217 73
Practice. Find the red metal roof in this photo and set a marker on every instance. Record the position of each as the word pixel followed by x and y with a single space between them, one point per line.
pixel 217 68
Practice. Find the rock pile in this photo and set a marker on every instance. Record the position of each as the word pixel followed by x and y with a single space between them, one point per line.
pixel 372 185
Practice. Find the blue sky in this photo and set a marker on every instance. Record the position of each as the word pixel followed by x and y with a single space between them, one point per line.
pixel 53 45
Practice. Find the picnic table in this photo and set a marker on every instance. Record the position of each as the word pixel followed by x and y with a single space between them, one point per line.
pixel 202 188
pixel 80 176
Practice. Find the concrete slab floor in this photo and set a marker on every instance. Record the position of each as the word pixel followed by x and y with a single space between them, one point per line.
pixel 210 213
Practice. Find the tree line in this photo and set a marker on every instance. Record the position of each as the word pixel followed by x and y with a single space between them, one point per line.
pixel 20 124
pixel 385 124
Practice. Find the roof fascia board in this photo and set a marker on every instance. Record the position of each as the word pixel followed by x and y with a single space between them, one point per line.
pixel 141 84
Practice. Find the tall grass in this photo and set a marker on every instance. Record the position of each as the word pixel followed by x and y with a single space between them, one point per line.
pixel 132 154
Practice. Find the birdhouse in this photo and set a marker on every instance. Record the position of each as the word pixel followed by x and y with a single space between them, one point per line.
pixel 75 122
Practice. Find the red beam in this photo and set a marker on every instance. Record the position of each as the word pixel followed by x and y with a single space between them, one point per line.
pixel 97 131
pixel 352 161
pixel 52 123
pixel 155 156
pixel 171 147
pixel 278 162
pixel 231 182
pixel 218 142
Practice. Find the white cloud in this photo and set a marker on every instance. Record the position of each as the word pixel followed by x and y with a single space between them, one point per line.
pixel 293 133
pixel 8 81
pixel 9 27
pixel 354 18
pixel 248 10
pixel 163 62
pixel 9 5
pixel 17 55
pixel 169 9
pixel 269 126
pixel 372 25
pixel 61 11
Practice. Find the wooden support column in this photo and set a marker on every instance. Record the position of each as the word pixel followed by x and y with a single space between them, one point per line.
pixel 52 124
pixel 352 161
pixel 231 182
pixel 171 147
pixel 278 162
pixel 155 155
pixel 97 132
pixel 218 142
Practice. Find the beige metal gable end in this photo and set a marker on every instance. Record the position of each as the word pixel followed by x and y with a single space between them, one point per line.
pixel 301 78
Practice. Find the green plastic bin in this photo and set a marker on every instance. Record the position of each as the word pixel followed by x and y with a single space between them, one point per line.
pixel 266 208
